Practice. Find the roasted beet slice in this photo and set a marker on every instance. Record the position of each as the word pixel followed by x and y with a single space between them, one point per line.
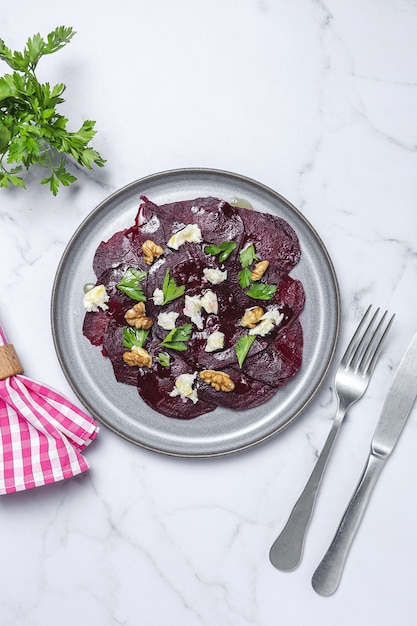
pixel 248 391
pixel 156 385
pixel 291 294
pixel 217 220
pixel 94 326
pixel 274 239
pixel 271 361
pixel 280 361
pixel 116 251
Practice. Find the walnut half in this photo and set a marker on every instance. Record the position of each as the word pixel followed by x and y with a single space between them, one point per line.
pixel 151 251
pixel 259 270
pixel 136 316
pixel 138 356
pixel 251 317
pixel 219 380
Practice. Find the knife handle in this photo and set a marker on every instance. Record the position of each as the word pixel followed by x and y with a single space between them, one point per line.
pixel 327 576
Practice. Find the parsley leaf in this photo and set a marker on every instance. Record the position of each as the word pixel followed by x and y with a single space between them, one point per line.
pixel 170 289
pixel 243 346
pixel 164 359
pixel 32 131
pixel 245 278
pixel 248 256
pixel 130 284
pixel 224 249
pixel 134 337
pixel 261 291
pixel 177 338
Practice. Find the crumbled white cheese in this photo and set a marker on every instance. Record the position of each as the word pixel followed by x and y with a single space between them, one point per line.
pixel 192 309
pixel 158 297
pixel 214 276
pixel 96 298
pixel 194 304
pixel 191 233
pixel 215 341
pixel 271 318
pixel 167 320
pixel 184 387
pixel 209 302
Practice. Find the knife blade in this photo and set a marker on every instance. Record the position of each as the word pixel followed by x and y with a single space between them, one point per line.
pixel 395 411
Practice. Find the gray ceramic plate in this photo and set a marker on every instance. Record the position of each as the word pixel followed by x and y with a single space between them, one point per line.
pixel 119 406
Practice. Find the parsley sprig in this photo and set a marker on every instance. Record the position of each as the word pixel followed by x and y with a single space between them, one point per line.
pixel 164 359
pixel 247 256
pixel 32 132
pixel 134 337
pixel 257 290
pixel 177 338
pixel 261 291
pixel 170 289
pixel 130 284
pixel 223 250
pixel 243 346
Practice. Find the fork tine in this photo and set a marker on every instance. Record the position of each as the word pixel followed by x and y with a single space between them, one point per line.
pixel 353 342
pixel 369 366
pixel 364 342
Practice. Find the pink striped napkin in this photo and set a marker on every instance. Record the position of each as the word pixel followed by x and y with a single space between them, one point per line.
pixel 41 434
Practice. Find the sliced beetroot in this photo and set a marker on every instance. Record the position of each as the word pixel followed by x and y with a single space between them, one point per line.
pixel 94 326
pixel 217 220
pixel 280 361
pixel 248 391
pixel 274 239
pixel 290 293
pixel 116 251
pixel 157 384
pixel 271 361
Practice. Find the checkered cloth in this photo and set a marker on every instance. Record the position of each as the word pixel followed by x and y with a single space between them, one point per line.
pixel 41 434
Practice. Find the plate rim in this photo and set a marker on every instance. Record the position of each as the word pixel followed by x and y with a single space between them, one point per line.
pixel 192 171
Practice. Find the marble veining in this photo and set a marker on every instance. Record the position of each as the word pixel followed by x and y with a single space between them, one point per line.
pixel 317 100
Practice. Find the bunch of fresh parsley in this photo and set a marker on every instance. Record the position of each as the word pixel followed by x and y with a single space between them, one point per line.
pixel 31 129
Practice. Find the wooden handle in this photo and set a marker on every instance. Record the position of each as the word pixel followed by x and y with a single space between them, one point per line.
pixel 9 362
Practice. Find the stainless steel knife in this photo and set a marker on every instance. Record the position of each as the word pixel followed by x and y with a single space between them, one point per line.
pixel 396 409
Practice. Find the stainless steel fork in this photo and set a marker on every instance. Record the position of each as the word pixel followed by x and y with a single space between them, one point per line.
pixel 351 381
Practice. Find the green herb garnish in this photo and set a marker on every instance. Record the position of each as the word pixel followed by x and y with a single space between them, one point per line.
pixel 243 346
pixel 248 256
pixel 134 337
pixel 130 284
pixel 177 338
pixel 245 278
pixel 170 289
pixel 261 291
pixel 224 249
pixel 31 130
pixel 164 359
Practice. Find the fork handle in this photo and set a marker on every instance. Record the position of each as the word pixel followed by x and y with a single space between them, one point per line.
pixel 286 551
pixel 327 576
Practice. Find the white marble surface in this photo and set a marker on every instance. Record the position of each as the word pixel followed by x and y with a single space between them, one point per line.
pixel 318 100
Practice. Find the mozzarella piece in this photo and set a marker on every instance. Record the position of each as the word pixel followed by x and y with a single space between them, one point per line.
pixel 167 320
pixel 192 310
pixel 190 233
pixel 184 387
pixel 194 304
pixel 215 341
pixel 209 302
pixel 214 276
pixel 271 318
pixel 158 297
pixel 96 298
